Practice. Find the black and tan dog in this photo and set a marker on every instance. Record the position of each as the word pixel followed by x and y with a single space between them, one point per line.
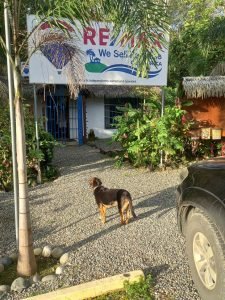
pixel 106 198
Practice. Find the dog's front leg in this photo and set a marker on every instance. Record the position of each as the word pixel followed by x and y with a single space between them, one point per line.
pixel 102 210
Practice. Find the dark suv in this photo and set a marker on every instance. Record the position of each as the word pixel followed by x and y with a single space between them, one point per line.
pixel 201 219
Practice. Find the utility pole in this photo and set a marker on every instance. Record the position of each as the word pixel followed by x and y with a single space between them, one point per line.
pixel 12 115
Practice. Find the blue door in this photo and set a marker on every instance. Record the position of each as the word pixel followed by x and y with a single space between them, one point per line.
pixel 61 115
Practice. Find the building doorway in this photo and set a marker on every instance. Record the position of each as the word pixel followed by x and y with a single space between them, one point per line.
pixel 61 116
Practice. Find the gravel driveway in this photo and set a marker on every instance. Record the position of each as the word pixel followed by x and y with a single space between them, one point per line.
pixel 64 213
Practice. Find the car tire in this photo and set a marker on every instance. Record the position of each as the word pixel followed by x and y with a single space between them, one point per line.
pixel 206 255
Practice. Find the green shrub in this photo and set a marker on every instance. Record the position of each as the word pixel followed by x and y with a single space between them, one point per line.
pixel 5 151
pixel 44 154
pixel 141 290
pixel 143 134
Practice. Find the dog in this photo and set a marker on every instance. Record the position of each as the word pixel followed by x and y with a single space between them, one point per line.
pixel 106 198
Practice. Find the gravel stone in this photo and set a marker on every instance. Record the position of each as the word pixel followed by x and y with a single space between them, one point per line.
pixel 38 251
pixel 49 278
pixel 64 258
pixel 59 270
pixel 4 288
pixel 57 252
pixel 36 278
pixel 6 261
pixel 19 284
pixel 64 213
pixel 47 250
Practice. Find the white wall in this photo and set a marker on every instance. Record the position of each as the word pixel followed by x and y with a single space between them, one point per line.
pixel 96 118
pixel 73 120
pixel 95 115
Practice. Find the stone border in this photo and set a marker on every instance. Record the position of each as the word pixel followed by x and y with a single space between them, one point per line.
pixel 93 288
pixel 20 283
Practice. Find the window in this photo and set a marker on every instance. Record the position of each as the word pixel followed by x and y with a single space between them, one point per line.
pixel 111 110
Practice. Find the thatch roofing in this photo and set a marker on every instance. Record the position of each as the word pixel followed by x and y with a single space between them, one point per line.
pixel 111 91
pixel 119 91
pixel 88 90
pixel 204 87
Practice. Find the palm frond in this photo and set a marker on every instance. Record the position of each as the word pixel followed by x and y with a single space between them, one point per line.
pixel 64 50
pixel 219 69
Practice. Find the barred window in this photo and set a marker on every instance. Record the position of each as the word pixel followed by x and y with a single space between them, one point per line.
pixel 111 110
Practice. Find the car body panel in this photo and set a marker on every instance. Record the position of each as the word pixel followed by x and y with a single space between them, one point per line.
pixel 203 187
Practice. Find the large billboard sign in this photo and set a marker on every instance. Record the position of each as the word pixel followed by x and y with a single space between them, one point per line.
pixel 105 61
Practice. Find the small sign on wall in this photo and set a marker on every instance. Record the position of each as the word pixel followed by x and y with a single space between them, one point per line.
pixel 216 134
pixel 206 133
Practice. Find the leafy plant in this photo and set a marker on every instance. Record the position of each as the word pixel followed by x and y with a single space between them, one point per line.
pixel 44 154
pixel 196 39
pixel 5 151
pixel 140 290
pixel 171 132
pixel 143 134
pixel 91 135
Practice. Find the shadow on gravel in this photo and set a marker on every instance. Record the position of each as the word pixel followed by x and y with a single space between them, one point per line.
pixel 92 167
pixel 94 237
pixel 160 204
pixel 74 158
pixel 155 271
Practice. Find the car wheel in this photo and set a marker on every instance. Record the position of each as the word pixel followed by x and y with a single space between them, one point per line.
pixel 206 255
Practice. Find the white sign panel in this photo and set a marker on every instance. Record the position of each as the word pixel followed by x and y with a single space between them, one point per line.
pixel 104 60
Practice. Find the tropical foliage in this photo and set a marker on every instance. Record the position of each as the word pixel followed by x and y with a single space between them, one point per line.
pixel 45 154
pixel 197 41
pixel 143 134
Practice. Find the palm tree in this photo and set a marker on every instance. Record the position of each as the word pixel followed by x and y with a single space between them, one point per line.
pixel 91 53
pixel 135 17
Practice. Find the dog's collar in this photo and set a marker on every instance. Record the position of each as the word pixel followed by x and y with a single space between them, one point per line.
pixel 96 187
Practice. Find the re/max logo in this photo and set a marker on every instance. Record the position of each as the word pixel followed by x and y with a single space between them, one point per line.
pixel 101 37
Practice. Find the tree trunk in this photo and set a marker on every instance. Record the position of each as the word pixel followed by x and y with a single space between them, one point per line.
pixel 26 265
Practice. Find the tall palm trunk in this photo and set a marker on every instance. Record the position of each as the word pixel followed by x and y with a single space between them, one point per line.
pixel 26 261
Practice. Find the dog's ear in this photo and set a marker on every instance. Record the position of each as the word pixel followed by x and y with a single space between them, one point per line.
pixel 98 181
pixel 91 182
pixel 94 181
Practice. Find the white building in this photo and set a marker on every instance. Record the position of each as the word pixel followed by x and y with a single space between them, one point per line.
pixel 64 117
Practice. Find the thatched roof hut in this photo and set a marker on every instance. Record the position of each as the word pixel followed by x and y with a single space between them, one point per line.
pixel 204 87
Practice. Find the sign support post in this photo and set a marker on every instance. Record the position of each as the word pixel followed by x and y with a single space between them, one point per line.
pixel 80 119
pixel 37 134
pixel 162 114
